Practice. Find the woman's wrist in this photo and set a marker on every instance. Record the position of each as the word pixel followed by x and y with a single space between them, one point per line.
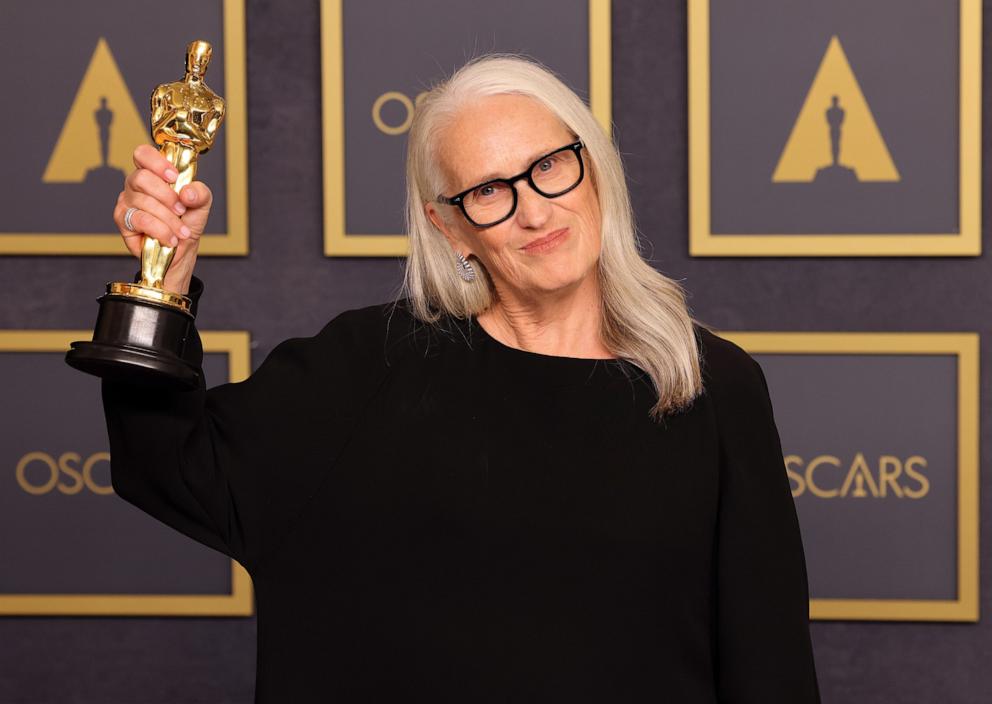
pixel 177 281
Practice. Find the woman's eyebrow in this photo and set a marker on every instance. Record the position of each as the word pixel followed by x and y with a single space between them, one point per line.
pixel 492 176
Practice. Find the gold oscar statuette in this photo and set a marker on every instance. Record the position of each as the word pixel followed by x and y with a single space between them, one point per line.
pixel 142 329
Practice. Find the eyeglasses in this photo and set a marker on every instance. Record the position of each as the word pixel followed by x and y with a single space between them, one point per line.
pixel 492 202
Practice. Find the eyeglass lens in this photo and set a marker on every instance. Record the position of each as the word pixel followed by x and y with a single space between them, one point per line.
pixel 551 176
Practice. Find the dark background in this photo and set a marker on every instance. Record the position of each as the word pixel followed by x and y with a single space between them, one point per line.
pixel 287 288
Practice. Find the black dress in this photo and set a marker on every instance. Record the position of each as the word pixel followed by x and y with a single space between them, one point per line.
pixel 430 515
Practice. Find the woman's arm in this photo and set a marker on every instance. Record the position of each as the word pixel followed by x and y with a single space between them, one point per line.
pixel 232 466
pixel 764 653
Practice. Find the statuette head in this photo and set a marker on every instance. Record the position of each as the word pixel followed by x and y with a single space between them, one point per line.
pixel 198 57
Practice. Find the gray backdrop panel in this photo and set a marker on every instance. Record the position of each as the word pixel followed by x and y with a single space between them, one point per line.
pixel 148 50
pixel 85 542
pixel 873 547
pixel 765 54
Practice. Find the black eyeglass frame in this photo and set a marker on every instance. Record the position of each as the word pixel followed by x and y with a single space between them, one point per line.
pixel 459 199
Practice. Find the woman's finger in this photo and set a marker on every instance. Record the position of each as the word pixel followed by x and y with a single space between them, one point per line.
pixel 146 156
pixel 146 181
pixel 196 195
pixel 143 223
pixel 154 207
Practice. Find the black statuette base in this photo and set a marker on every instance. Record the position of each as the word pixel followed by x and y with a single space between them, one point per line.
pixel 138 341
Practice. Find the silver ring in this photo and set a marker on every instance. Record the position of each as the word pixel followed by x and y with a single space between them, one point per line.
pixel 127 219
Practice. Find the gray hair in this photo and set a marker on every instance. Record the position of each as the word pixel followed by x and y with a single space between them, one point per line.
pixel 645 317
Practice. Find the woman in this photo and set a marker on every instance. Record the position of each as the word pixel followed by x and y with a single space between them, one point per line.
pixel 534 478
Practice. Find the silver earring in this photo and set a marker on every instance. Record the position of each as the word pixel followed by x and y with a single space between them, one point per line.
pixel 464 268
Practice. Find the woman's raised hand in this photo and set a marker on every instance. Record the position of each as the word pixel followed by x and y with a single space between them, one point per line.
pixel 174 219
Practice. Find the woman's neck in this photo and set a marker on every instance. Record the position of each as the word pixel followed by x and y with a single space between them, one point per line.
pixel 562 324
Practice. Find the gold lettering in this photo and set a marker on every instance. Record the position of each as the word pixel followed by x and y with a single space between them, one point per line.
pixel 21 475
pixel 888 478
pixel 400 98
pixel 408 106
pixel 67 464
pixel 101 489
pixel 912 473
pixel 795 476
pixel 814 488
pixel 860 480
pixel 859 469
pixel 76 487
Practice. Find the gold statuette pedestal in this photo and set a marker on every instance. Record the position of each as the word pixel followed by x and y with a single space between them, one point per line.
pixel 142 329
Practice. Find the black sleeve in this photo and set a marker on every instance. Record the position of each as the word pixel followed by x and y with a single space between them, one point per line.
pixel 232 466
pixel 764 653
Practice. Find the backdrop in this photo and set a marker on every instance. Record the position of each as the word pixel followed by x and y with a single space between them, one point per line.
pixel 287 287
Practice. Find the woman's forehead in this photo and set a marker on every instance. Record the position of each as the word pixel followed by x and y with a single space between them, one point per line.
pixel 498 136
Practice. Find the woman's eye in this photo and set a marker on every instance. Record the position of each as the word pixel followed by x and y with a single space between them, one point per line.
pixel 547 164
pixel 486 191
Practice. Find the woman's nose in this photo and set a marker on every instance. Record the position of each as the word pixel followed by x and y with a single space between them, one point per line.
pixel 533 209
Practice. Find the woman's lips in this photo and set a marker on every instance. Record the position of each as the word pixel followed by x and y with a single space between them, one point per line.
pixel 543 244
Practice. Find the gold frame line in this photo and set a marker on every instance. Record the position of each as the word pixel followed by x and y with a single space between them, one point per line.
pixel 337 242
pixel 232 243
pixel 965 347
pixel 966 242
pixel 240 602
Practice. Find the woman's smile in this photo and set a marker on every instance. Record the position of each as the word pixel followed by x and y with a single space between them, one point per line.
pixel 548 242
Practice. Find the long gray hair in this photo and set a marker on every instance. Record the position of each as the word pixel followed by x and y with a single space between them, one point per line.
pixel 645 317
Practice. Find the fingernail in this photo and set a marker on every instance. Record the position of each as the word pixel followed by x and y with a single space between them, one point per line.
pixel 185 231
pixel 179 208
pixel 190 196
pixel 171 174
pixel 174 241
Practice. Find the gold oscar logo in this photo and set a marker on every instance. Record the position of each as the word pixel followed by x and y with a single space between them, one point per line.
pixel 102 107
pixel 835 138
pixel 64 474
pixel 828 477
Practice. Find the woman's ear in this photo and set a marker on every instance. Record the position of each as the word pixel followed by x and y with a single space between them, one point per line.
pixel 434 215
